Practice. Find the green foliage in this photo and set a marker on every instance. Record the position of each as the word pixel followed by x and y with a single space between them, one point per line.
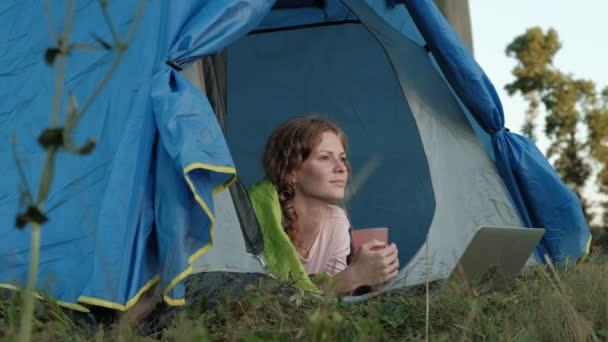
pixel 597 121
pixel 576 119
pixel 544 305
pixel 534 52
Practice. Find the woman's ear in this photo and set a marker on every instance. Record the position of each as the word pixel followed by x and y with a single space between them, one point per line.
pixel 292 177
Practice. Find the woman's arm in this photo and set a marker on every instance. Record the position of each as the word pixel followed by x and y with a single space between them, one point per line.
pixel 342 283
pixel 371 266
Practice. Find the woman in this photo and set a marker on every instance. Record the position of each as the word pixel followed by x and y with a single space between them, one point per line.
pixel 305 159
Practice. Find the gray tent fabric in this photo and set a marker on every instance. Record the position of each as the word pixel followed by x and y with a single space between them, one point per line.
pixel 228 252
pixel 468 190
pixel 419 166
pixel 385 93
pixel 264 89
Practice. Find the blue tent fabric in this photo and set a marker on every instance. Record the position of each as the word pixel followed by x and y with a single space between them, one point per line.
pixel 138 210
pixel 332 11
pixel 187 122
pixel 537 191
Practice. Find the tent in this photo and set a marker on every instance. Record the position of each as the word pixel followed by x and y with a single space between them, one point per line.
pixel 157 199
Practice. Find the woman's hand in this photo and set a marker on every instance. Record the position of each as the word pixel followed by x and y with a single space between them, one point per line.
pixel 375 263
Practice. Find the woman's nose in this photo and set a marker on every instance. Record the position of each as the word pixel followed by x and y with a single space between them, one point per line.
pixel 339 166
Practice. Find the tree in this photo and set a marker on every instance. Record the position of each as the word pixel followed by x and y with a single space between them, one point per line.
pixel 534 51
pixel 576 121
pixel 597 121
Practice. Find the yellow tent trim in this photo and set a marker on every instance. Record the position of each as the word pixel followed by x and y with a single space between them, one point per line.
pixel 73 306
pixel 117 306
pixel 180 277
pixel 205 207
pixel 587 251
pixel 156 278
pixel 184 274
pixel 220 169
pixel 202 250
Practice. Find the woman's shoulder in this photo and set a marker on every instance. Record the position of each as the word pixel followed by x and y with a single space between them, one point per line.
pixel 336 212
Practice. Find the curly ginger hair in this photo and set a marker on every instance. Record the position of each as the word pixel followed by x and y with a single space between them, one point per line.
pixel 286 149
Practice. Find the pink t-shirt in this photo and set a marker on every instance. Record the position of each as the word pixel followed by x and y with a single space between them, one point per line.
pixel 331 247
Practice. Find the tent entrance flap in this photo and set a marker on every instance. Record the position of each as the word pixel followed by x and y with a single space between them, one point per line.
pixel 209 76
pixel 340 72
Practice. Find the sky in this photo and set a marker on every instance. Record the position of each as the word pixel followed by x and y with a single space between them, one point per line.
pixel 582 29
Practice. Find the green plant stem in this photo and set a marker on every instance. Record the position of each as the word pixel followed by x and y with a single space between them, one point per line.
pixel 25 334
pixel 106 16
pixel 28 198
pixel 121 49
pixel 27 315
pixel 63 47
pixel 47 176
pixel 84 47
pixel 49 15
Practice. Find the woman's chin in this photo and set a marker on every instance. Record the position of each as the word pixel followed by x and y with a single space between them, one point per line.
pixel 333 198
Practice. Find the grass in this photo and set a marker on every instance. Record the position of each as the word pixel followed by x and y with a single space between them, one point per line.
pixel 568 304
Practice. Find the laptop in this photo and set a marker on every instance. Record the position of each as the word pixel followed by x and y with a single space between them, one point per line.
pixel 496 255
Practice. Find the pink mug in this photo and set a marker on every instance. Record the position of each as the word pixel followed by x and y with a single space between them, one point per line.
pixel 361 236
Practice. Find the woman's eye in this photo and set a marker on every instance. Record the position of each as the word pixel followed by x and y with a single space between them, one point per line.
pixel 324 157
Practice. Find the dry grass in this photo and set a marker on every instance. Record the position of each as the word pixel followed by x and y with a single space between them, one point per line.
pixel 568 304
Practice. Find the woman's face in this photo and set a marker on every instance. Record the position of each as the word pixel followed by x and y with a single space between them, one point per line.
pixel 323 174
